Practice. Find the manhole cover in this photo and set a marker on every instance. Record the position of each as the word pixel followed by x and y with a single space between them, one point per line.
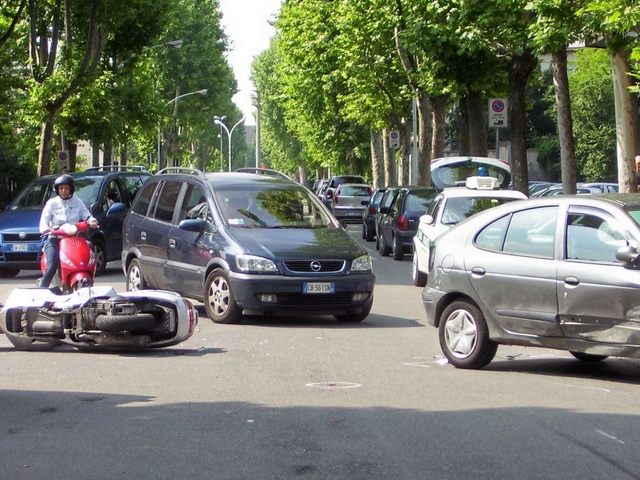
pixel 334 385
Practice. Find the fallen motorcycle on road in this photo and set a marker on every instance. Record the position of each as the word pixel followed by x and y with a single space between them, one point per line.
pixel 41 318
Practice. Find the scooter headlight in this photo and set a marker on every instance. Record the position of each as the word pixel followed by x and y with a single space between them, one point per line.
pixel 64 259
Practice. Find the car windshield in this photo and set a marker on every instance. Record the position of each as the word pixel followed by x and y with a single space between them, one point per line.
pixel 273 206
pixel 37 194
pixel 458 209
pixel 635 214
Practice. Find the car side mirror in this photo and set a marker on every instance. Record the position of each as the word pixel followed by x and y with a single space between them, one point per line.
pixel 426 220
pixel 193 225
pixel 329 193
pixel 628 255
pixel 115 208
pixel 383 210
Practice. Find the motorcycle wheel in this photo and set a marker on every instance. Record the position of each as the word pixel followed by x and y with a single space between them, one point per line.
pixel 132 323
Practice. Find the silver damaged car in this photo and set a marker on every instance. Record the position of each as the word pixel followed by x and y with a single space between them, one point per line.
pixel 560 272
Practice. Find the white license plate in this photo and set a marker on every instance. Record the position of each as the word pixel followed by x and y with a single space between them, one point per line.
pixel 318 287
pixel 354 214
pixel 20 247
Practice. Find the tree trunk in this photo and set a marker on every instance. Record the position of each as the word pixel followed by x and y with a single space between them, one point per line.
pixel 107 153
pixel 124 154
pixel 565 121
pixel 626 121
pixel 405 153
pixel 95 155
pixel 304 176
pixel 425 139
pixel 389 160
pixel 72 148
pixel 519 71
pixel 438 120
pixel 476 109
pixel 464 147
pixel 44 151
pixel 377 159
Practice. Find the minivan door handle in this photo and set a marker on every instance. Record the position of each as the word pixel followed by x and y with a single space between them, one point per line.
pixel 479 271
pixel 143 235
pixel 172 243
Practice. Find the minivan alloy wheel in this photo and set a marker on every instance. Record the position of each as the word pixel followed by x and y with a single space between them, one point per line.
pixel 219 302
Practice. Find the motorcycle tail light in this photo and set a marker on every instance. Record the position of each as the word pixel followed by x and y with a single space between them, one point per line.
pixel 403 223
pixel 193 317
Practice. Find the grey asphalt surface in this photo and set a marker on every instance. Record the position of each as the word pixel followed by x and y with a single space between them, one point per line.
pixel 289 397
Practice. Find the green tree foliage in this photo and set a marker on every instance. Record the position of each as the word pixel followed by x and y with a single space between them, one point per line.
pixel 314 85
pixel 594 116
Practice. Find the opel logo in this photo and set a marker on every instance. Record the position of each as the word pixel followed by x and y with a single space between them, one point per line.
pixel 315 266
pixel 22 235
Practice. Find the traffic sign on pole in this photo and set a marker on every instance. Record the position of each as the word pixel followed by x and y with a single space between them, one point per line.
pixel 498 113
pixel 394 139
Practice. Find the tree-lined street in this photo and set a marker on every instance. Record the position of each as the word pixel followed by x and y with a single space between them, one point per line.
pixel 311 398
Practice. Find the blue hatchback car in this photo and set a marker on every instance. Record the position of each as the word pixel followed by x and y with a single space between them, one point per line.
pixel 104 190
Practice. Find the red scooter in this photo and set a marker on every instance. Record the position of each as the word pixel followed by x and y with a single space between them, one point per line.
pixel 77 260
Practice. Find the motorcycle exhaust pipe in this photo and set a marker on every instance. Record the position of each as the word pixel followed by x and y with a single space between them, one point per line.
pixel 121 341
pixel 47 326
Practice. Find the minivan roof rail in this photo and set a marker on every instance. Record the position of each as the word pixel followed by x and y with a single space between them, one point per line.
pixel 263 171
pixel 185 170
pixel 116 168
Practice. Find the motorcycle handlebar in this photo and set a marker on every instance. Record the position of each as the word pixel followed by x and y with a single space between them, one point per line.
pixel 69 229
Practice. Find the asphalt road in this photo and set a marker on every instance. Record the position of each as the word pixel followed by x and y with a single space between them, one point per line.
pixel 284 398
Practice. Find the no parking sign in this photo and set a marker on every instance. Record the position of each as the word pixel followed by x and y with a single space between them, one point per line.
pixel 498 116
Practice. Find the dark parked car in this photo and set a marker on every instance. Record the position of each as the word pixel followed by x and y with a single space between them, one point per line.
pixel 245 243
pixel 399 222
pixel 369 215
pixel 559 272
pixel 104 190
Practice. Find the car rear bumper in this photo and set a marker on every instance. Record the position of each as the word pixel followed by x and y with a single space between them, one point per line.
pixel 348 214
pixel 285 295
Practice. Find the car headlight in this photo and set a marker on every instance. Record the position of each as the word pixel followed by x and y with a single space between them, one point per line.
pixel 362 264
pixel 254 264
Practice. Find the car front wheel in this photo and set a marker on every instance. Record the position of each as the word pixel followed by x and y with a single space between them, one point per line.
pixel 218 299
pixel 464 336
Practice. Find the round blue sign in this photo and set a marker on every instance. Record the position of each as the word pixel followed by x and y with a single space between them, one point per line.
pixel 497 106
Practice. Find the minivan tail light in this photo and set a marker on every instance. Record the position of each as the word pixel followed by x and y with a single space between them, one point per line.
pixel 402 223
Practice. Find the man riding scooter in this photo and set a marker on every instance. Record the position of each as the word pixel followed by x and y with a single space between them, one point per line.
pixel 65 208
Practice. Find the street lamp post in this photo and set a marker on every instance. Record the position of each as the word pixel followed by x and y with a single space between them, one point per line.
pixel 197 92
pixel 218 121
